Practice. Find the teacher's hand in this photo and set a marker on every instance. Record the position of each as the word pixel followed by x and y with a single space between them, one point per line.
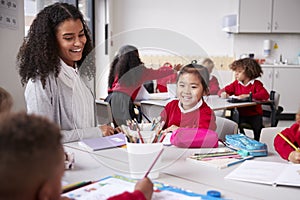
pixel 107 130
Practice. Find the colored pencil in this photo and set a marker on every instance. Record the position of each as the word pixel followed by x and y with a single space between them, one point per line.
pixel 239 161
pixel 153 163
pixel 75 186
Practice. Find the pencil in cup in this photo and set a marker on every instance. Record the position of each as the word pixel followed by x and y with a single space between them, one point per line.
pixel 158 135
pixel 146 133
pixel 288 141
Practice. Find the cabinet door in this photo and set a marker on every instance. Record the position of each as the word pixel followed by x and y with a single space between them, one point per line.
pixel 286 16
pixel 267 78
pixel 255 16
pixel 286 83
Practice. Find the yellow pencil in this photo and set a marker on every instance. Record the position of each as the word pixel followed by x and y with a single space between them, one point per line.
pixel 289 142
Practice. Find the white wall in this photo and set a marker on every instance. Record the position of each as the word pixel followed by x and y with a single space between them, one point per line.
pixel 11 40
pixel 176 27
pixel 183 26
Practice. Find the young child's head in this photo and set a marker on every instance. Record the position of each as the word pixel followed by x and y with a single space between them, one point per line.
pixel 31 157
pixel 246 68
pixel 6 101
pixel 209 64
pixel 192 85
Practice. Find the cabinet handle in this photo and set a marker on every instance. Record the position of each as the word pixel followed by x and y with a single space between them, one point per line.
pixel 269 26
pixel 276 74
pixel 270 75
pixel 276 26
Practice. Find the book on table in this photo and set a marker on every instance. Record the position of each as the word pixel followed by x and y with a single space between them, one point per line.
pixel 271 173
pixel 94 144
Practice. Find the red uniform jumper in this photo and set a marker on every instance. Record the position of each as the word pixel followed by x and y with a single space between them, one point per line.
pixel 147 75
pixel 213 85
pixel 293 135
pixel 202 117
pixel 249 114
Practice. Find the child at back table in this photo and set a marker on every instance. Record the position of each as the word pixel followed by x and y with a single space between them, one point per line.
pixel 190 110
pixel 213 81
pixel 293 135
pixel 246 71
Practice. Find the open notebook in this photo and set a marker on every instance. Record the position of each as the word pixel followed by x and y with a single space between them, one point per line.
pixel 272 173
pixel 143 94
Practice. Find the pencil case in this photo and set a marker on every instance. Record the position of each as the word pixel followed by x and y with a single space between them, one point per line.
pixel 246 145
pixel 194 138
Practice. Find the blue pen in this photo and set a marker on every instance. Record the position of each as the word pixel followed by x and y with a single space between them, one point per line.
pixel 239 161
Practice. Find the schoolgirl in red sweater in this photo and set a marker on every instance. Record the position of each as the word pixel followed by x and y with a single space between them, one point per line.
pixel 127 74
pixel 246 71
pixel 190 110
pixel 293 135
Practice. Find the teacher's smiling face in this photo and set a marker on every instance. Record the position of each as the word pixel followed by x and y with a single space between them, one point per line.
pixel 71 40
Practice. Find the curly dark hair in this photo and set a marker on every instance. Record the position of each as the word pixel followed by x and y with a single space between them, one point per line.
pixel 200 71
pixel 38 55
pixel 252 68
pixel 126 60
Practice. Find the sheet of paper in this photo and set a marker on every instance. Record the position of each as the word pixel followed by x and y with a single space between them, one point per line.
pixel 290 176
pixel 258 172
pixel 143 94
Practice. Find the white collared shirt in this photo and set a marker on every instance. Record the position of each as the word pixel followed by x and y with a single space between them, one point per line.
pixel 250 82
pixel 197 106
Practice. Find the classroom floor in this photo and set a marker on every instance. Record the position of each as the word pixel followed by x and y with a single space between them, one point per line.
pixel 281 123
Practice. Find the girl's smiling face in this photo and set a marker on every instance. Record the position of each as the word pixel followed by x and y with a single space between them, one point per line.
pixel 71 40
pixel 189 90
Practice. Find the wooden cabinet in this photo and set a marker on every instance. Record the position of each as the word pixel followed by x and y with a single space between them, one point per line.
pixel 284 80
pixel 266 16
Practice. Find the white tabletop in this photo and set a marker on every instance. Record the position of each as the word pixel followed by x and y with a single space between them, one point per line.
pixel 175 171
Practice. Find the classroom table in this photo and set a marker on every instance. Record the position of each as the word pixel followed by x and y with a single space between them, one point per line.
pixel 175 171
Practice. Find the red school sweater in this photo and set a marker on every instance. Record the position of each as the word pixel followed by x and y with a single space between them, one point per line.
pixel 147 75
pixel 203 117
pixel 281 146
pixel 214 86
pixel 258 93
